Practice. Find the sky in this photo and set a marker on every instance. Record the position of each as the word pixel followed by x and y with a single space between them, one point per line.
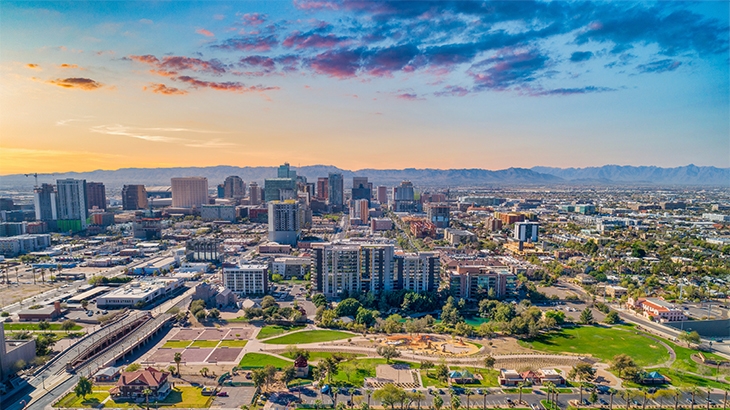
pixel 363 84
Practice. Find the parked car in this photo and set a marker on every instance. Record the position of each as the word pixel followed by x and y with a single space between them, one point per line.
pixel 223 394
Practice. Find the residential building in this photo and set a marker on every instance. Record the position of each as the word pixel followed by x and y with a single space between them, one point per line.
pixel 72 209
pixel 218 213
pixel 234 187
pixel 473 281
pixel 359 209
pixel 418 272
pixel 284 222
pixel 349 268
pixel 404 198
pixel 95 195
pixel 438 214
pixel 456 237
pixel 381 224
pixel 526 231
pixel 292 267
pixel 189 192
pixel 134 197
pixel 245 279
pixel 44 201
pixel 132 386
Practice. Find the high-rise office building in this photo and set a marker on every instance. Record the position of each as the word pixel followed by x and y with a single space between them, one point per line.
pixel 134 197
pixel 322 188
pixel 284 171
pixel 72 209
pixel 284 222
pixel 359 209
pixel 361 188
pixel 95 195
pixel 254 193
pixel 233 187
pixel 383 194
pixel 44 200
pixel 348 268
pixel 526 231
pixel 417 272
pixel 335 191
pixel 277 189
pixel 189 192
pixel 220 191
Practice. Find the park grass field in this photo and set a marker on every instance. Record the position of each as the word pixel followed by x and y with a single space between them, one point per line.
pixel 429 380
pixel 185 397
pixel 176 344
pixel 34 326
pixel 259 360
pixel 276 330
pixel 354 372
pixel 98 394
pixel 601 342
pixel 205 343
pixel 233 343
pixel 489 376
pixel 310 336
pixel 316 356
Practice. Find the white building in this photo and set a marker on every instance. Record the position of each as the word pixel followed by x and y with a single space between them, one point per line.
pixel 284 222
pixel 246 279
pixel 347 268
pixel 142 292
pixel 22 244
pixel 418 272
pixel 289 267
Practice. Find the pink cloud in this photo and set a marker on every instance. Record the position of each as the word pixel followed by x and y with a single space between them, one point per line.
pixel 163 89
pixel 204 32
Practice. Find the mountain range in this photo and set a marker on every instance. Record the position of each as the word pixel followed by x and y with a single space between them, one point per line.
pixel 605 175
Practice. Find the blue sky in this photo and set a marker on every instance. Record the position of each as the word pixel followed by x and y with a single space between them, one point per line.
pixel 358 84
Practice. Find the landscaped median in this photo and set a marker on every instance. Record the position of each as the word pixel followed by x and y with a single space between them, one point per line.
pixel 310 336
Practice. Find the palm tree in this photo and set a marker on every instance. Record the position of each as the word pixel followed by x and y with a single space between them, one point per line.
pixel 147 393
pixel 520 385
pixel 438 402
pixel 645 393
pixel 368 392
pixel 627 395
pixel 677 394
pixel 34 282
pixel 178 359
pixel 549 386
pixel 468 393
pixel 334 391
pixel 693 391
pixel 204 371
pixel 611 392
pixel 708 398
pixel 485 398
pixel 724 402
pixel 317 403
pixel 417 396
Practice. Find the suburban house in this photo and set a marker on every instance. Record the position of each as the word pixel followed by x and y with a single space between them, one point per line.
pixel 131 385
pixel 107 374
pixel 509 377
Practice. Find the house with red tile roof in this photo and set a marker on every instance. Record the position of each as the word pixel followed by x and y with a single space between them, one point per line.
pixel 131 385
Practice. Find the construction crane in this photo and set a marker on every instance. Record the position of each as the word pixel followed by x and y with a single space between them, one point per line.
pixel 35 175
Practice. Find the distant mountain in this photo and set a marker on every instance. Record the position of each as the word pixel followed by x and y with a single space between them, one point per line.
pixel 686 175
pixel 609 174
pixel 216 175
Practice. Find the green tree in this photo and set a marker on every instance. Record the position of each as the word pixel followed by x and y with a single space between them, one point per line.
pixel 348 307
pixel 44 325
pixel 83 387
pixel 390 395
pixel 388 352
pixel 258 376
pixel 586 316
pixel 489 362
pixel 214 314
pixel 442 372
pixel 133 367
pixel 177 359
pixel 582 372
pixel 621 363
pixel 287 375
pixel 147 393
pixel 690 338
pixel 67 325
pixel 319 300
pixel 330 366
pixel 612 318
pixel 438 402
pixel 450 313
pixel 268 301
pixel 393 324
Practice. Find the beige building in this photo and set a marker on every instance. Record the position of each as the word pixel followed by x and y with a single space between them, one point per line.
pixel 189 192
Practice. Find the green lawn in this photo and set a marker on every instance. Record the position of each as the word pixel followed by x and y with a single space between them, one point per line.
pixel 205 343
pixel 180 397
pixel 276 330
pixel 239 319
pixel 176 344
pixel 316 356
pixel 560 390
pixel 684 360
pixel 355 371
pixel 430 380
pixel 489 376
pixel 259 360
pixel 34 326
pixel 679 379
pixel 72 401
pixel 310 336
pixel 233 343
pixel 603 343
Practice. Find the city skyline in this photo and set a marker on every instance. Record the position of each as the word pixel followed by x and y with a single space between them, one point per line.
pixel 385 85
